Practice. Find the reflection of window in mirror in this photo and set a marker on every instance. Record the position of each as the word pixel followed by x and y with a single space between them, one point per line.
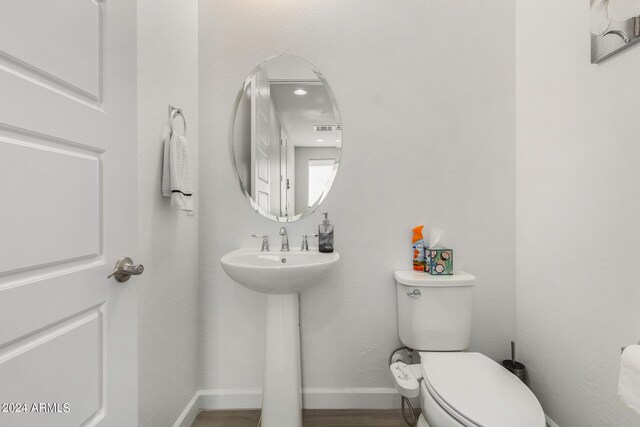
pixel 319 175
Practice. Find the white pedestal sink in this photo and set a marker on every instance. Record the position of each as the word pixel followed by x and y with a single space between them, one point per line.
pixel 281 275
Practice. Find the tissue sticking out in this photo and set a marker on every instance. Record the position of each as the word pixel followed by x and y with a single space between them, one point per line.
pixel 438 259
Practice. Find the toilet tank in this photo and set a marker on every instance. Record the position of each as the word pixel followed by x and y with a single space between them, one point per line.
pixel 434 312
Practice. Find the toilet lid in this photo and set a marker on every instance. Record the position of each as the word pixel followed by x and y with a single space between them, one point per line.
pixel 479 392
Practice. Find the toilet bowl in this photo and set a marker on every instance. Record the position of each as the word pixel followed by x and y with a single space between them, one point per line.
pixel 457 388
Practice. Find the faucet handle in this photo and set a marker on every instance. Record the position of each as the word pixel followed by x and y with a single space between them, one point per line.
pixel 265 241
pixel 305 243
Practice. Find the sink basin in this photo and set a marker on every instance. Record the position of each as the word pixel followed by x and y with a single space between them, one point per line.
pixel 277 272
pixel 280 275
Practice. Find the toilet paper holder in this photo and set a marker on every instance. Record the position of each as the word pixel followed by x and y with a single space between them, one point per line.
pixel 622 348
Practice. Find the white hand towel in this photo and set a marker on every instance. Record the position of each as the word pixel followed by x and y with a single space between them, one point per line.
pixel 176 179
pixel 629 383
pixel 621 10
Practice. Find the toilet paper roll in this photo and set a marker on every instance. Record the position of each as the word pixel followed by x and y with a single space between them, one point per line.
pixel 629 382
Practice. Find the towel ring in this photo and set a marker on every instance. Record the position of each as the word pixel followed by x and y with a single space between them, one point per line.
pixel 173 112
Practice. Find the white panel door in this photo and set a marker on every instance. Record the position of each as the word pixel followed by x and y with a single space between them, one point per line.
pixel 68 344
pixel 261 140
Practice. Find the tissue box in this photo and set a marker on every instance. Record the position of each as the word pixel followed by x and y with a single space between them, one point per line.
pixel 439 261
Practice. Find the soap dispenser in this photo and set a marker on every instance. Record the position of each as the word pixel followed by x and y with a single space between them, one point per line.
pixel 325 235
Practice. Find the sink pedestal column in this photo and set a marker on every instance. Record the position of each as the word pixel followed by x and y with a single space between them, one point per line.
pixel 282 389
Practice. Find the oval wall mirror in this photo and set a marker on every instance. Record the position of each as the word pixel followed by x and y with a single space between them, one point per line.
pixel 285 138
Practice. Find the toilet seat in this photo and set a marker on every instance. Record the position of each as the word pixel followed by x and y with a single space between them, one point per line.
pixel 478 392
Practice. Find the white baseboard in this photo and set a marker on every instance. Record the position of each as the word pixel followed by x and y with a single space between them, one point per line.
pixel 232 398
pixel 312 398
pixel 550 422
pixel 350 398
pixel 190 412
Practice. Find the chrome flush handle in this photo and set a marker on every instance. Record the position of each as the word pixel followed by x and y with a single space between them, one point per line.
pixel 124 269
pixel 415 294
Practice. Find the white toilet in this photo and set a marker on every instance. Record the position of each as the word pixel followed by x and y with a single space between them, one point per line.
pixel 457 389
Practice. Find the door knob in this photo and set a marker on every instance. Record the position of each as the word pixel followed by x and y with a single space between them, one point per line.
pixel 124 269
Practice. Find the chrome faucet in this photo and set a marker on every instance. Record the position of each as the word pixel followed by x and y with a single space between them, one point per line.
pixel 285 240
pixel 265 241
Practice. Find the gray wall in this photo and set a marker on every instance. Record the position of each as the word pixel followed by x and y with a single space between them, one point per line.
pixel 578 206
pixel 429 137
pixel 168 240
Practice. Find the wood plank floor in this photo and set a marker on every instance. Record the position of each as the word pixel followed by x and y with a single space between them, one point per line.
pixel 312 418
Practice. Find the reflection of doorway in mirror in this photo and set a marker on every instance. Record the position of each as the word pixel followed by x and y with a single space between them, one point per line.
pixel 287 170
pixel 285 117
pixel 319 174
pixel 284 180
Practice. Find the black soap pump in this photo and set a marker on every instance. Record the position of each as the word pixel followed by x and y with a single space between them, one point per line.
pixel 325 235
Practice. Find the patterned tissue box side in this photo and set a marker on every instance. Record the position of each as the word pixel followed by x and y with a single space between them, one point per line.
pixel 439 261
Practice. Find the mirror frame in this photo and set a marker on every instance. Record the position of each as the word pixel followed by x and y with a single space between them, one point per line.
pixel 336 163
